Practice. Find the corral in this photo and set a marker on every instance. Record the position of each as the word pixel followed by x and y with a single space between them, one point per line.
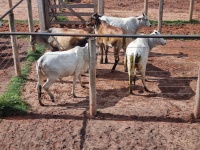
pixel 141 121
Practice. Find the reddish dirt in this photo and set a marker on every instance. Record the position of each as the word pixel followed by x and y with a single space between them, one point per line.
pixel 160 120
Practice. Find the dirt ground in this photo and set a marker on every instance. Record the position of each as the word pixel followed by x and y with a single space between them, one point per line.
pixel 160 120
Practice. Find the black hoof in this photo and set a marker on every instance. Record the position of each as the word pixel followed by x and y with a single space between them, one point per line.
pixel 74 96
pixel 112 71
pixel 83 86
pixel 131 93
pixel 147 90
pixel 41 104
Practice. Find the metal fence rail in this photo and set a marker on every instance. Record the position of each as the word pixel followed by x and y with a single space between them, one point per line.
pixel 106 35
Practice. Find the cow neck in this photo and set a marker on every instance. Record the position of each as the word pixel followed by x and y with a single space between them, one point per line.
pixel 97 26
pixel 151 43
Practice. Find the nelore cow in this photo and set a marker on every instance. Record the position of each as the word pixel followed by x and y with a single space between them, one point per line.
pixel 137 53
pixel 55 65
pixel 131 24
pixel 61 43
pixel 102 27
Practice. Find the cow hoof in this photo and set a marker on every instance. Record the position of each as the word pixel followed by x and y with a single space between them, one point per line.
pixel 131 93
pixel 74 96
pixel 41 104
pixel 52 98
pixel 147 90
pixel 112 71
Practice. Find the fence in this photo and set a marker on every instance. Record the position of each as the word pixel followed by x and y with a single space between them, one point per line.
pixel 107 92
pixel 172 71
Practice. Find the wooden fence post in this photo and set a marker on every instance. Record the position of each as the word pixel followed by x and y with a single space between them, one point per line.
pixel 95 6
pixel 146 7
pixel 92 76
pixel 101 7
pixel 197 99
pixel 30 21
pixel 41 13
pixel 191 9
pixel 160 15
pixel 13 42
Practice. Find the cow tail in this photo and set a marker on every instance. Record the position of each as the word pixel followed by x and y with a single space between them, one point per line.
pixel 132 62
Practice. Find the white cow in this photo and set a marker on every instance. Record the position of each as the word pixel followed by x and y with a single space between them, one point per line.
pixel 137 53
pixel 131 24
pixel 54 65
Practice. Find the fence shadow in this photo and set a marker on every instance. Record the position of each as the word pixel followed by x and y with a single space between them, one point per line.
pixel 102 116
pixel 178 55
pixel 175 88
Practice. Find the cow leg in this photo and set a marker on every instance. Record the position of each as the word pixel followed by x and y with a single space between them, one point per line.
pixel 115 64
pixel 46 86
pixel 79 78
pixel 125 63
pixel 74 84
pixel 116 55
pixel 134 77
pixel 39 87
pixel 131 68
pixel 130 75
pixel 143 71
pixel 101 53
pixel 130 84
pixel 106 53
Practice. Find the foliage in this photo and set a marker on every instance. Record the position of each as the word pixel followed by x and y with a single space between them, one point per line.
pixel 62 18
pixel 175 22
pixel 11 102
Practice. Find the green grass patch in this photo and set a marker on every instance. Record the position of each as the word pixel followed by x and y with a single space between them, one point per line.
pixel 11 102
pixel 62 18
pixel 175 22
pixel 23 36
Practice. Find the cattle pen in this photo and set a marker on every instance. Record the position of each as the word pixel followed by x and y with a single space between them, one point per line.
pixel 176 81
pixel 104 115
pixel 92 62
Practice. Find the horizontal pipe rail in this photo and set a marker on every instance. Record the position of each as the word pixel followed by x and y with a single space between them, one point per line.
pixel 104 35
pixel 11 9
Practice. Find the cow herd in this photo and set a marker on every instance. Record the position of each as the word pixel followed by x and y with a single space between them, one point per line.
pixel 69 56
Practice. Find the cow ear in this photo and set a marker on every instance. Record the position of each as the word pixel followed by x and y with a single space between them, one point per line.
pixel 36 30
pixel 155 31
pixel 139 18
pixel 95 14
pixel 100 15
pixel 143 14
